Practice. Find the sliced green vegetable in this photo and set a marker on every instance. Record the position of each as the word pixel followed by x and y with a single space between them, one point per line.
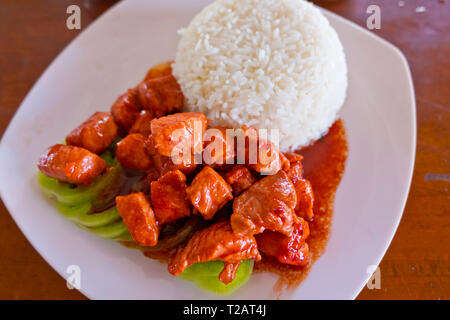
pixel 73 196
pixel 109 158
pixel 99 219
pixel 116 230
pixel 206 276
pixel 80 215
pixel 127 237
pixel 73 212
pixel 75 202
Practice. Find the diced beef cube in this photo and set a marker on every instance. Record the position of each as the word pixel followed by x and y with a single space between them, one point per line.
pixel 71 164
pixel 125 110
pixel 267 204
pixel 293 157
pixel 295 172
pixel 95 134
pixel 269 161
pixel 132 153
pixel 217 242
pixel 165 164
pixel 142 124
pixel 138 216
pixel 168 196
pixel 209 192
pixel 218 149
pixel 160 96
pixel 257 153
pixel 182 131
pixel 240 178
pixel 291 249
pixel 159 70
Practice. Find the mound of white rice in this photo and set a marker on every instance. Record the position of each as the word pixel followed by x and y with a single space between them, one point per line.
pixel 264 63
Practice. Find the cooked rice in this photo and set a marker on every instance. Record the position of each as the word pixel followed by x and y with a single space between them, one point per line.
pixel 264 63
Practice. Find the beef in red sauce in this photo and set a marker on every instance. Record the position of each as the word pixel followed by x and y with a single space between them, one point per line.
pixel 218 149
pixel 323 164
pixel 132 153
pixel 138 216
pixel 267 204
pixel 95 134
pixel 169 198
pixel 160 70
pixel 165 164
pixel 125 110
pixel 259 154
pixel 240 178
pixel 209 192
pixel 160 95
pixel 178 130
pixel 71 164
pixel 217 242
pixel 291 249
pixel 142 123
pixel 285 215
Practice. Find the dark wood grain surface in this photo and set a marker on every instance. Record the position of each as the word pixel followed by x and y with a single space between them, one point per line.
pixel 417 264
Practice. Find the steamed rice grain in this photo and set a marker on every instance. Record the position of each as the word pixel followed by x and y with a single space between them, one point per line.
pixel 272 64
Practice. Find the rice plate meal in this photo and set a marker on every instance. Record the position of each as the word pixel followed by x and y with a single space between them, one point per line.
pixel 180 168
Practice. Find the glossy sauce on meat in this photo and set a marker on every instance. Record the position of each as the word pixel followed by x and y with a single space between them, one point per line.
pixel 217 242
pixel 323 164
pixel 137 214
pixel 71 164
pixel 209 192
pixel 153 195
pixel 169 199
pixel 267 205
pixel 95 134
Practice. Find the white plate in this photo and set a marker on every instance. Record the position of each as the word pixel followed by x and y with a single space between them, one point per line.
pixel 114 54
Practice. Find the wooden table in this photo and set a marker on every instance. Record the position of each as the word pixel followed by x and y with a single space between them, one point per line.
pixel 417 264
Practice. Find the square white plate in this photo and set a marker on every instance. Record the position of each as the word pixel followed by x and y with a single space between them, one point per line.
pixel 114 54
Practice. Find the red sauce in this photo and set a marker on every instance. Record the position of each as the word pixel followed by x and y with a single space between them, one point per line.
pixel 324 164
